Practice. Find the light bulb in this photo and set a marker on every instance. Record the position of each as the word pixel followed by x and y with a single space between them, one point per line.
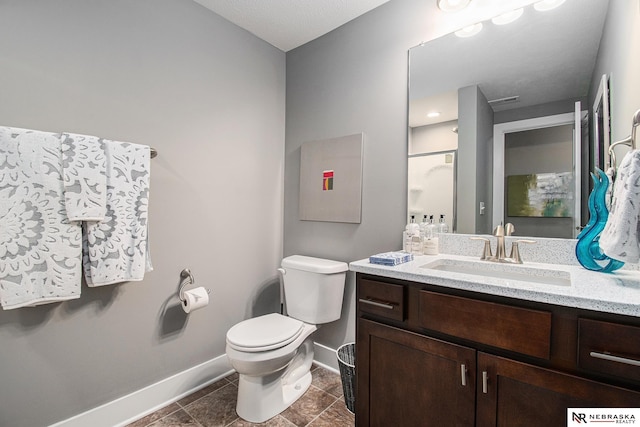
pixel 544 5
pixel 508 17
pixel 469 31
pixel 452 5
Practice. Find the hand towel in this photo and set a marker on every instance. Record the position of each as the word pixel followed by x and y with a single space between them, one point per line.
pixel 391 258
pixel 116 249
pixel 40 249
pixel 85 183
pixel 611 173
pixel 619 239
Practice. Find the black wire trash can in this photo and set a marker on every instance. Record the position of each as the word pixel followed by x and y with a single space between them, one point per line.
pixel 347 364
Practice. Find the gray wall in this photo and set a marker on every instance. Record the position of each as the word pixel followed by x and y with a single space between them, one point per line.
pixel 433 138
pixel 542 110
pixel 351 80
pixel 618 57
pixel 475 159
pixel 211 98
pixel 484 166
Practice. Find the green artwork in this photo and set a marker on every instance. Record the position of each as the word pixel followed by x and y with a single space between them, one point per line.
pixel 540 195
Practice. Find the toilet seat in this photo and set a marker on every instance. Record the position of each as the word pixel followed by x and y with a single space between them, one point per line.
pixel 264 333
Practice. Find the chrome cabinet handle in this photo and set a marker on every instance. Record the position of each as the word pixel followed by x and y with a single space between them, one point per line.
pixel 376 303
pixel 485 382
pixel 463 374
pixel 612 358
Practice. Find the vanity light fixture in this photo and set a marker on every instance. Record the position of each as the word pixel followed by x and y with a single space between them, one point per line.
pixel 544 5
pixel 508 17
pixel 470 30
pixel 452 5
pixel 433 114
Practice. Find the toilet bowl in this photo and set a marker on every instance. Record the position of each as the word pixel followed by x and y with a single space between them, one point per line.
pixel 273 353
pixel 272 379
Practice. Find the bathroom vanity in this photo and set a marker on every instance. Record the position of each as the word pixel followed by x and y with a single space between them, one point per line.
pixel 443 346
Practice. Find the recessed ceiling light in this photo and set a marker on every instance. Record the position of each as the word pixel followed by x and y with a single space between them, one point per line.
pixel 545 5
pixel 507 18
pixel 452 5
pixel 469 31
pixel 433 114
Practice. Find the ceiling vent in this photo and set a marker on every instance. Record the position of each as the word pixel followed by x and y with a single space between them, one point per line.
pixel 505 100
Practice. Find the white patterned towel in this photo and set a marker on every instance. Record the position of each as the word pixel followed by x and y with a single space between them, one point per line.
pixel 40 250
pixel 611 172
pixel 620 239
pixel 85 182
pixel 116 249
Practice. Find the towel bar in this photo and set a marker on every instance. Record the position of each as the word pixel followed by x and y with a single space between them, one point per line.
pixel 154 152
pixel 630 140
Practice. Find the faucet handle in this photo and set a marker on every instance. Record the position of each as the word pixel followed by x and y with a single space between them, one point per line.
pixel 515 251
pixel 486 251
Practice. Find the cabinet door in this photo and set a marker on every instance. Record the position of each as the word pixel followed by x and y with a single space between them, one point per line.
pixel 405 379
pixel 512 394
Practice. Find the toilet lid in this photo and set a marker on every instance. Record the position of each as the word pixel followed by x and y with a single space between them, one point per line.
pixel 264 333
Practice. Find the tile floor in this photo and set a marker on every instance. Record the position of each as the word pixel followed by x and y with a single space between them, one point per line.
pixel 321 406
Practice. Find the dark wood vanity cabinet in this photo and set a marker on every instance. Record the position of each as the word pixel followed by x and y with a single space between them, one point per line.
pixel 433 356
pixel 407 379
pixel 521 394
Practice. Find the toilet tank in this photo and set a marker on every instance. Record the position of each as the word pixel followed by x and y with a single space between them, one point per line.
pixel 313 288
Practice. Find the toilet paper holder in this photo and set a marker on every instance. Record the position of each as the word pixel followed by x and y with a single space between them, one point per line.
pixel 187 279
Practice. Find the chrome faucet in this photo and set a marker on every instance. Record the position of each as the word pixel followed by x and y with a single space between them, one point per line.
pixel 499 232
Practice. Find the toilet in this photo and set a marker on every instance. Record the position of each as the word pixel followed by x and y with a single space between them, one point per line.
pixel 273 353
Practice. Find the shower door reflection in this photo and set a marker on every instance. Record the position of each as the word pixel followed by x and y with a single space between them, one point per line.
pixel 432 186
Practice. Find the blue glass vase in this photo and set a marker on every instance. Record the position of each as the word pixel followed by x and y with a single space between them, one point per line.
pixel 588 249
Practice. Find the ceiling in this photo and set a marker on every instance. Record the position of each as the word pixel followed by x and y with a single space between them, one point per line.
pixel 542 57
pixel 287 24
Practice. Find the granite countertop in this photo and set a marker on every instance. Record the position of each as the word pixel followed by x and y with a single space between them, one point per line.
pixel 617 292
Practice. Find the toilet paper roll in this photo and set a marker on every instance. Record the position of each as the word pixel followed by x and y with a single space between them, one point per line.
pixel 195 299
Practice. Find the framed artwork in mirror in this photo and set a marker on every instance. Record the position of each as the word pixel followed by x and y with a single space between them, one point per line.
pixel 540 195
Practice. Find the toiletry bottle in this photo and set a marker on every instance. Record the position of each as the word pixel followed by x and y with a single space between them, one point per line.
pixel 432 228
pixel 412 229
pixel 423 226
pixel 430 243
pixel 416 244
pixel 442 226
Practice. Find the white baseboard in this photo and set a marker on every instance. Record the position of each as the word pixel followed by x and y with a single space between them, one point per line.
pixel 138 404
pixel 325 356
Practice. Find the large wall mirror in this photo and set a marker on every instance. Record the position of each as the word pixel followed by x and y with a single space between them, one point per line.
pixel 516 110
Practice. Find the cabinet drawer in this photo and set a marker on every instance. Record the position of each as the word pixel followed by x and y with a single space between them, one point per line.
pixel 381 299
pixel 609 348
pixel 516 329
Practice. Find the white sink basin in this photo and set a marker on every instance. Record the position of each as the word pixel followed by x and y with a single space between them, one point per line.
pixel 502 271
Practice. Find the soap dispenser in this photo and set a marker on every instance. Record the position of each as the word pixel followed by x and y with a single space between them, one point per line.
pixel 423 226
pixel 430 242
pixel 412 229
pixel 442 225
